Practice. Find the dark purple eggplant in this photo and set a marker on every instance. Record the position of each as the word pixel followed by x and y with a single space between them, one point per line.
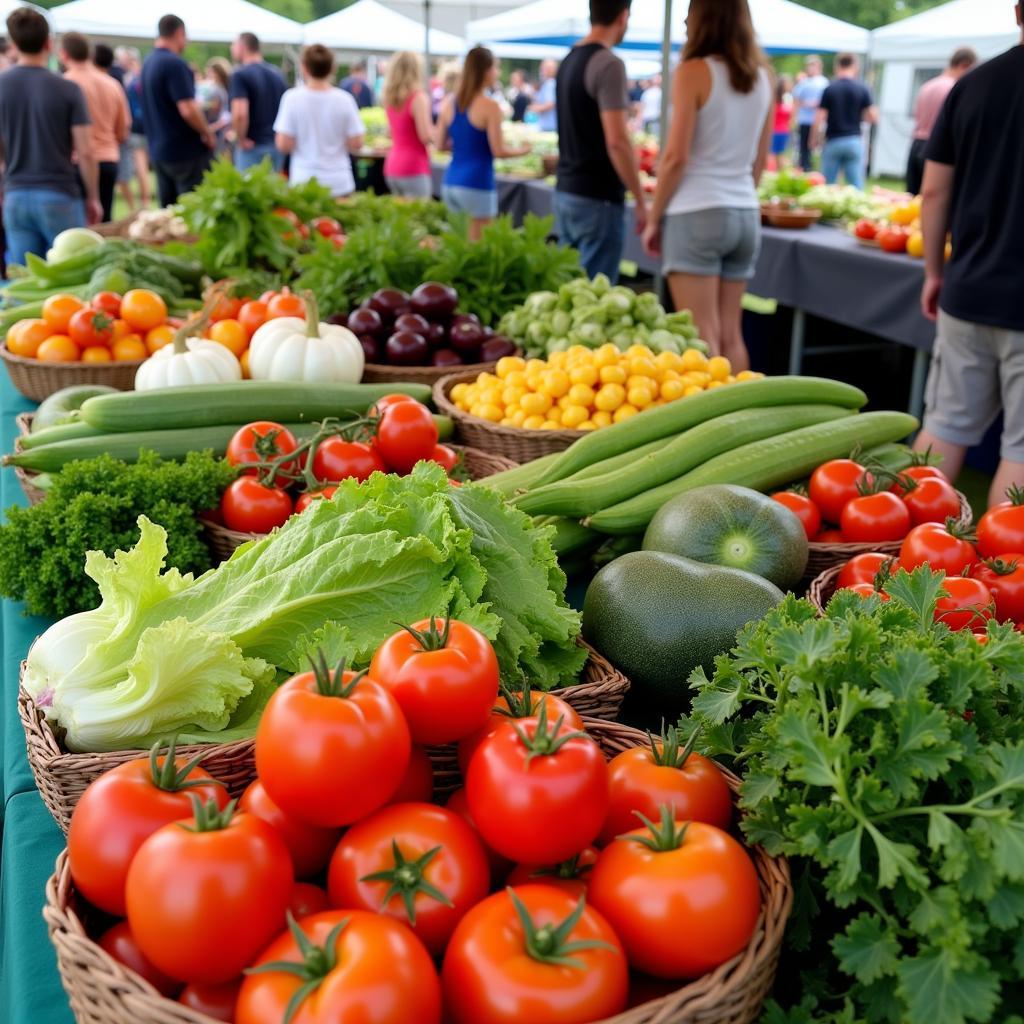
pixel 435 301
pixel 407 349
pixel 437 335
pixel 446 357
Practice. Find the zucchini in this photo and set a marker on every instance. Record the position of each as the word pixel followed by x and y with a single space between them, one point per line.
pixel 761 465
pixel 579 496
pixel 678 416
pixel 208 405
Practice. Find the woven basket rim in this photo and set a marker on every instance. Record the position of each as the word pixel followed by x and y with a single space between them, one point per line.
pixel 78 364
pixel 822 584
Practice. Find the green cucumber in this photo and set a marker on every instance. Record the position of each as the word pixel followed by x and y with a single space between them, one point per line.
pixel 59 432
pixel 60 406
pixel 508 481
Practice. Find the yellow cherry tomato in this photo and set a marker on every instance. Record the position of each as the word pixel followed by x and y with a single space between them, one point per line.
pixel 601 418
pixel 612 375
pixel 555 382
pixel 719 368
pixel 550 425
pixel 535 404
pixel 585 374
pixel 610 397
pixel 642 366
pixel 715 384
pixel 581 394
pixel 587 425
pixel 692 389
pixel 672 389
pixel 458 393
pixel 624 412
pixel 640 396
pixel 574 416
pixel 533 422
pixel 512 396
pixel 694 359
pixel 668 361
pixel 518 417
pixel 509 364
pixel 748 375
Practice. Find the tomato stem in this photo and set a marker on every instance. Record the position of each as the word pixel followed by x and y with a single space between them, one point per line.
pixel 1015 494
pixel 664 836
pixel 549 944
pixel 431 638
pixel 1001 567
pixel 520 702
pixel 406 880
pixel 567 870
pixel 332 684
pixel 545 741
pixel 168 776
pixel 208 816
pixel 665 749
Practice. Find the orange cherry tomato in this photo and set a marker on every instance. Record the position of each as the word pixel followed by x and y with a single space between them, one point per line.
pixel 58 348
pixel 121 329
pixel 231 334
pixel 107 302
pixel 96 354
pixel 25 337
pixel 158 337
pixel 244 363
pixel 286 303
pixel 129 349
pixel 58 311
pixel 143 309
pixel 252 315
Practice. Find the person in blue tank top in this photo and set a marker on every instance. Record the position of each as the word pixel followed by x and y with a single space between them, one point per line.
pixel 470 126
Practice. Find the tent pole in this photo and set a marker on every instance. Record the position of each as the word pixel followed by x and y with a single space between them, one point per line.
pixel 666 92
pixel 426 43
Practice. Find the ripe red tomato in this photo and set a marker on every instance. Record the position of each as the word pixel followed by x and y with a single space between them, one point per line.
pixel 871 518
pixel 260 442
pixel 1001 528
pixel 252 315
pixel 492 976
pixel 225 307
pixel 932 500
pixel 833 484
pixel 1004 577
pixel 863 568
pixel 307 498
pixel 107 302
pixel 326 226
pixel 830 536
pixel 123 808
pixel 337 459
pixel 216 1001
pixel 284 303
pixel 968 603
pixel 405 435
pixel 204 900
pixel 645 778
pixel 939 547
pixel 378 407
pixel 379 974
pixel 893 239
pixel 803 508
pixel 89 327
pixel 417 785
pixel 119 942
pixel 570 876
pixel 445 457
pixel 420 864
pixel 354 750
pixel 917 474
pixel 682 905
pixel 310 846
pixel 865 228
pixel 500 866
pixel 251 507
pixel 444 675
pixel 867 590
pixel 307 899
pixel 538 792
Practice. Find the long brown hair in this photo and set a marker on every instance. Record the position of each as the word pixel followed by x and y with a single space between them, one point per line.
pixel 724 28
pixel 478 62
pixel 404 77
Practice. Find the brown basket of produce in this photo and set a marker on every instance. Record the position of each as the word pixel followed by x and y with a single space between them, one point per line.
pixel 822 587
pixel 380 373
pixel 63 777
pixel 38 380
pixel 23 476
pixel 223 542
pixel 515 443
pixel 102 991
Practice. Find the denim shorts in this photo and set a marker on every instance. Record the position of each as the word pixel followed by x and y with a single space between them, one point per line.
pixel 722 242
pixel 477 202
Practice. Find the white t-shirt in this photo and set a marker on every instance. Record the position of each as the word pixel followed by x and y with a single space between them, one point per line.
pixel 321 121
pixel 650 104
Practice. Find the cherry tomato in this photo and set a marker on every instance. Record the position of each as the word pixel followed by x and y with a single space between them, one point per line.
pixel 1001 528
pixel 892 239
pixel 354 750
pixel 444 675
pixel 863 568
pixel 58 348
pixel 968 603
pixel 570 876
pixel 405 435
pixel 871 518
pixel 225 306
pixel 867 590
pixel 216 1001
pixel 458 803
pixel 119 942
pixel 336 459
pixel 645 778
pixel 447 458
pixel 120 810
pixel 939 547
pixel 252 315
pixel 803 508
pixel 381 974
pixel 284 303
pixel 307 899
pixel 417 785
pixel 491 976
pixel 90 327
pixel 250 507
pixel 1004 577
pixel 143 309
pixel 129 349
pixel 310 846
pixel 259 442
pixel 96 354
pixel 107 302
pixel 420 864
pixel 932 500
pixel 865 228
pixel 311 497
pixel 26 337
pixel 538 792
pixel 681 906
pixel 917 474
pixel 833 484
pixel 158 337
pixel 204 900
pixel 830 536
pixel 231 334
pixel 326 226
pixel 378 407
pixel 58 311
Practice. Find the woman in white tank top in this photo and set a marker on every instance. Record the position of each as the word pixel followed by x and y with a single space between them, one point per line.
pixel 705 219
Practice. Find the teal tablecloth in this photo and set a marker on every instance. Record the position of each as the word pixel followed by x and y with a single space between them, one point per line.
pixel 30 988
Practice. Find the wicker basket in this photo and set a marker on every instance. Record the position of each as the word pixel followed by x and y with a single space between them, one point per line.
pixel 25 477
pixel 38 380
pixel 379 373
pixel 103 991
pixel 822 587
pixel 514 443
pixel 223 542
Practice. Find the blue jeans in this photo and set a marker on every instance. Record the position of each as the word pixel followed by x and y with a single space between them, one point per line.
pixel 846 155
pixel 34 217
pixel 596 228
pixel 246 158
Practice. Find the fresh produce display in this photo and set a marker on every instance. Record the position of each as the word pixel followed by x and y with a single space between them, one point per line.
pixel 376 127
pixel 156 226
pixel 809 191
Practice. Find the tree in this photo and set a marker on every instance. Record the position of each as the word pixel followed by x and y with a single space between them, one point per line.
pixel 297 10
pixel 870 13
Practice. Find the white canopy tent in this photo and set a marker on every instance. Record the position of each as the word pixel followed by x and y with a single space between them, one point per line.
pixel 451 15
pixel 372 27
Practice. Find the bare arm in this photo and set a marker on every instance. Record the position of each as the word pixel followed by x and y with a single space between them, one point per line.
pixel 81 138
pixel 764 145
pixel 240 119
pixel 355 143
pixel 496 137
pixel 820 119
pixel 689 84
pixel 284 142
pixel 421 118
pixel 194 118
pixel 870 116
pixel 444 119
pixel 936 197
pixel 122 128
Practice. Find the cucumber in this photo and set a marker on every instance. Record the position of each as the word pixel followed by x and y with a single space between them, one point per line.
pixel 678 416
pixel 509 481
pixel 761 465
pixel 61 404
pixel 208 405
pixel 59 432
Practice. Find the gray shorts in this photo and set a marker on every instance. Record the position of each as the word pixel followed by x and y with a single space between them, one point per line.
pixel 722 242
pixel 412 186
pixel 480 203
pixel 976 372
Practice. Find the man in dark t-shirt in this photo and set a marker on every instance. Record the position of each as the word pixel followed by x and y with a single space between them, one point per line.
pixel 845 104
pixel 973 188
pixel 356 85
pixel 256 91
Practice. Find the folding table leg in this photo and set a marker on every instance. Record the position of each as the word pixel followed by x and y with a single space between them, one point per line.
pixel 796 342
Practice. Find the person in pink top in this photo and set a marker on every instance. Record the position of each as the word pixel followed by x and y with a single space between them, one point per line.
pixel 783 123
pixel 930 99
pixel 407 167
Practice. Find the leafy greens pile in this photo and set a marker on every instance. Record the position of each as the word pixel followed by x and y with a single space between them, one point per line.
pixel 165 652
pixel 885 754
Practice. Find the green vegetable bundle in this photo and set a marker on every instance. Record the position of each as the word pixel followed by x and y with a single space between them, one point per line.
pixel 885 755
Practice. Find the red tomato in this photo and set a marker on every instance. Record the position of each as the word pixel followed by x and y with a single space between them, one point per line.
pixel 354 750
pixel 893 239
pixel 968 603
pixel 444 675
pixel 307 498
pixel 378 407
pixel 646 778
pixel 123 808
pixel 932 500
pixel 865 228
pixel 864 568
pixel 379 974
pixel 491 975
pixel 204 900
pixel 260 442
pixel 310 846
pixel 872 518
pixel 107 302
pixel 252 315
pixel 570 876
pixel 225 307
pixel 1001 528
pixel 337 459
pixel 682 896
pixel 445 457
pixel 458 803
pixel 216 1001
pixel 917 474
pixel 251 507
pixel 307 899
pixel 420 864
pixel 939 547
pixel 833 485
pixel 284 303
pixel 119 942
pixel 326 226
pixel 830 536
pixel 867 590
pixel 538 792
pixel 417 785
pixel 1004 577
pixel 405 435
pixel 803 508
pixel 89 327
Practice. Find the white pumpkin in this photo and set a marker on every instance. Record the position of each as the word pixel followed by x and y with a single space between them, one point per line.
pixel 188 361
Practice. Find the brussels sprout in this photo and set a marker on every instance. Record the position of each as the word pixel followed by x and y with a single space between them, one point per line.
pixel 560 323
pixel 600 285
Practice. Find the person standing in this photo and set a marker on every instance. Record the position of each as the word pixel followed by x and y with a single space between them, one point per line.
pixel 407 165
pixel 845 105
pixel 130 60
pixel 356 85
pixel 650 107
pixel 180 140
pixel 256 91
pixel 218 116
pixel 783 123
pixel 545 105
pixel 43 120
pixel 722 120
pixel 104 58
pixel 596 158
pixel 519 94
pixel 807 95
pixel 930 98
pixel 972 186
pixel 108 112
